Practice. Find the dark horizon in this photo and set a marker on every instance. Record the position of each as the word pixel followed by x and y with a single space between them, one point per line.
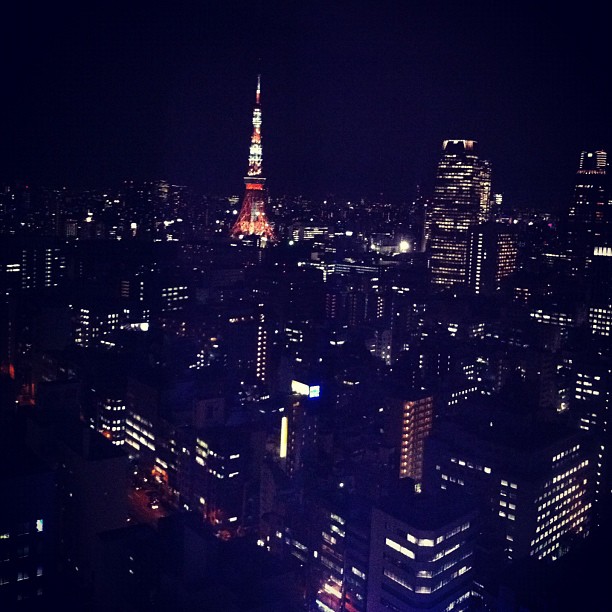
pixel 356 97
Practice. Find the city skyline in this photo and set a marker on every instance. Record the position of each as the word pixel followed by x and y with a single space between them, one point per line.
pixel 357 98
pixel 287 402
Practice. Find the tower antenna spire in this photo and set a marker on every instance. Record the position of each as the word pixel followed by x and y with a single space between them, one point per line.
pixel 252 219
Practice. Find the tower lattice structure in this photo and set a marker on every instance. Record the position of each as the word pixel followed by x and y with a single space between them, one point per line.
pixel 252 219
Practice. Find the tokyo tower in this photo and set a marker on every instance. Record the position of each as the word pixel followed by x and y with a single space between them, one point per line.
pixel 252 219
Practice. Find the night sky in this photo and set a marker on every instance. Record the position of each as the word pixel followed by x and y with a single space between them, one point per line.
pixel 357 96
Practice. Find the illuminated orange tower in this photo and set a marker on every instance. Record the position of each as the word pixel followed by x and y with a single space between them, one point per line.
pixel 252 219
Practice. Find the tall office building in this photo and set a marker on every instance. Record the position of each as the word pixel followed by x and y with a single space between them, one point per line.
pixel 589 399
pixel 534 479
pixel 590 213
pixel 219 475
pixel 28 523
pixel 461 200
pixel 491 256
pixel 422 552
pixel 27 265
pixel 299 427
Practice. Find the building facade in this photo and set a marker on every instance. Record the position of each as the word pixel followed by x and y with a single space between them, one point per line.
pixel 461 200
pixel 590 210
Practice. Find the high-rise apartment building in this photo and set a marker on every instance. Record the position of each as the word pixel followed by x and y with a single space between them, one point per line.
pixel 461 200
pixel 410 419
pixel 261 365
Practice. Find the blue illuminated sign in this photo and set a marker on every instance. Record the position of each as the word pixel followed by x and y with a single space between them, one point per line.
pixel 314 391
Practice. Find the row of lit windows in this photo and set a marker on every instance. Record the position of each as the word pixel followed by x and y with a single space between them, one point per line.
pixel 565 453
pixel 576 526
pixel 399 548
pixel 470 465
pixel 512 485
pixel 108 408
pixel 570 471
pixel 136 417
pixel 565 493
pixel 20 575
pixel 553 515
pixel 424 588
pixel 552 318
pixel 137 427
pixel 444 567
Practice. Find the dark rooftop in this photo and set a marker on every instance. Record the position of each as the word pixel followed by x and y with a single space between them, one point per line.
pixel 426 511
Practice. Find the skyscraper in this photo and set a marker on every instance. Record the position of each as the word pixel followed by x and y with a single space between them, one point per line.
pixel 252 219
pixel 589 215
pixel 491 256
pixel 461 199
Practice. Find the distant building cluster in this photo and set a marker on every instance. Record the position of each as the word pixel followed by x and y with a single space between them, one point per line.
pixel 379 406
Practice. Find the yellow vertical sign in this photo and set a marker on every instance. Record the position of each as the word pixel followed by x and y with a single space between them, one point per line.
pixel 283 437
